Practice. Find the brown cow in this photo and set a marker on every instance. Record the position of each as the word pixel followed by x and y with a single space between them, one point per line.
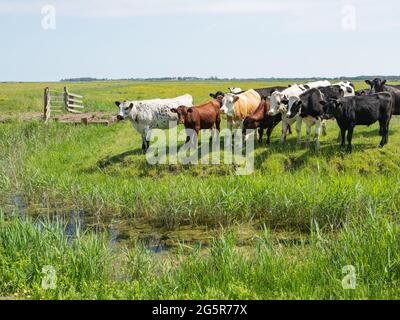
pixel 261 120
pixel 203 116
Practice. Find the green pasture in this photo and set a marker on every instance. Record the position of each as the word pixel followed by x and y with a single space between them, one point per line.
pixel 345 206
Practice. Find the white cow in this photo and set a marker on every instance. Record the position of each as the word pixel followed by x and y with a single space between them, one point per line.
pixel 150 114
pixel 235 90
pixel 281 100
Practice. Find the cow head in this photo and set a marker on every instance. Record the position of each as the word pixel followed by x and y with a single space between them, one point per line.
pixel 182 112
pixel 248 124
pixel 330 108
pixel 218 95
pixel 235 90
pixel 228 103
pixel 278 103
pixel 362 92
pixel 294 107
pixel 377 85
pixel 125 108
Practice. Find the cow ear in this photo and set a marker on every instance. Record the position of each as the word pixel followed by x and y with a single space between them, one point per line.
pixel 368 82
pixel 383 82
pixel 117 103
pixel 338 104
pixel 284 100
pixel 174 110
pixel 236 98
pixel 190 110
pixel 212 96
pixel 130 106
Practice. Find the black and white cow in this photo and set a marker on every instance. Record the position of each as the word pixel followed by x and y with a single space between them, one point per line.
pixel 309 109
pixel 378 85
pixel 360 110
pixel 281 100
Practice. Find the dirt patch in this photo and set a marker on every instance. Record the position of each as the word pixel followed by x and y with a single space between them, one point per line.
pixel 85 118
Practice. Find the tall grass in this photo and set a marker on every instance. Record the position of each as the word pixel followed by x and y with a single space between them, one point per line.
pixel 96 169
pixel 87 268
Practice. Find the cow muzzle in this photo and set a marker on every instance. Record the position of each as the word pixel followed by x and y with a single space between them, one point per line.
pixel 120 118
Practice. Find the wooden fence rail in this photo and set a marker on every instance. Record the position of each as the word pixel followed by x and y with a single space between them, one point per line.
pixel 57 101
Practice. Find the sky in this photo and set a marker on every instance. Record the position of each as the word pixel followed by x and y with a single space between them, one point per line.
pixel 53 39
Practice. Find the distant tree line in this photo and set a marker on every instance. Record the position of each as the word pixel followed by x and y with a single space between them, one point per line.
pixel 89 79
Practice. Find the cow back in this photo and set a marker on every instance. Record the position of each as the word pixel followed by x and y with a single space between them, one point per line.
pixel 247 104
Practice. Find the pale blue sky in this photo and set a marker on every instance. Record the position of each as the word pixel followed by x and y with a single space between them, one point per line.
pixel 224 38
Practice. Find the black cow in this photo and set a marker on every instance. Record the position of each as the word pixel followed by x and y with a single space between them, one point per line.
pixel 360 110
pixel 379 85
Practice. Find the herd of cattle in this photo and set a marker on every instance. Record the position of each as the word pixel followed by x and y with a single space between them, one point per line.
pixel 312 103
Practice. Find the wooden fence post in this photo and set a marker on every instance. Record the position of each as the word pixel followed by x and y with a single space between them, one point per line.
pixel 47 105
pixel 66 98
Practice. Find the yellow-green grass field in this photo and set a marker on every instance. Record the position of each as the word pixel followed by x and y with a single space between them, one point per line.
pixel 305 213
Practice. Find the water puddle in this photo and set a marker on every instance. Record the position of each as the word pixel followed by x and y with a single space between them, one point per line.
pixel 128 231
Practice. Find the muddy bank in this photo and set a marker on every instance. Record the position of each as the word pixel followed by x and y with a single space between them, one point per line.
pixel 91 117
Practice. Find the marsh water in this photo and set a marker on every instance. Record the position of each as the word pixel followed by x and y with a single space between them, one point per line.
pixel 130 231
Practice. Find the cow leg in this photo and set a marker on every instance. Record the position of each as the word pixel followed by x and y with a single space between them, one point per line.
pixel 260 134
pixel 384 129
pixel 217 128
pixel 284 130
pixel 143 143
pixel 319 124
pixel 350 137
pixel 269 132
pixel 290 129
pixel 188 135
pixel 324 131
pixel 343 136
pixel 298 129
pixel 308 137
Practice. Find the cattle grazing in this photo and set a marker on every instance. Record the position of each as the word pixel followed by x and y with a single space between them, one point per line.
pixel 238 107
pixel 360 110
pixel 378 85
pixel 150 114
pixel 280 101
pixel 260 120
pixel 204 116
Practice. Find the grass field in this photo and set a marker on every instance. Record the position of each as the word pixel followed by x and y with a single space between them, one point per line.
pixel 343 207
